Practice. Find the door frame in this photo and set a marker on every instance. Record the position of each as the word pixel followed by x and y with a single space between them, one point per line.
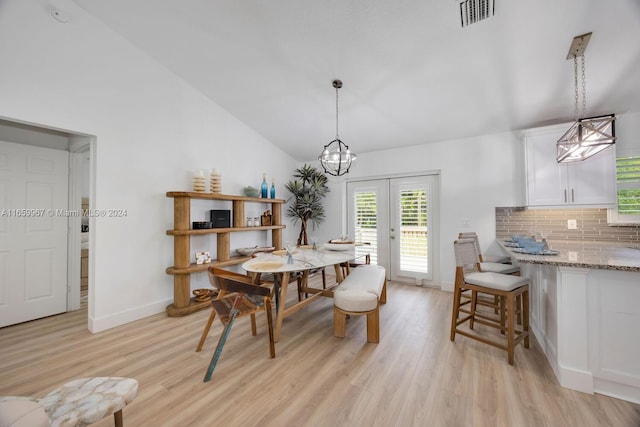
pixel 78 149
pixel 435 280
pixel 77 145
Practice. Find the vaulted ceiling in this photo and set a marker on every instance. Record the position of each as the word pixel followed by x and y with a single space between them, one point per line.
pixel 412 74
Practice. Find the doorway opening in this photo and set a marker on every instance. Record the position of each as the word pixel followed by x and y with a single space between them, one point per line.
pixel 61 208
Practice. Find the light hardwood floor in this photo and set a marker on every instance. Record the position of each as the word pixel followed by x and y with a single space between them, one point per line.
pixel 414 377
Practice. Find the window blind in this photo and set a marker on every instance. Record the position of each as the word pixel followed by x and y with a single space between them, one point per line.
pixel 628 185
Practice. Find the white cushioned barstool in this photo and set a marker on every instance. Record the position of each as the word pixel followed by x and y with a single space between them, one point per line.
pixel 498 265
pixel 506 287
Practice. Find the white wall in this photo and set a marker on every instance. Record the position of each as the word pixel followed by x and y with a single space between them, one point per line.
pixel 476 175
pixel 152 131
pixel 627 131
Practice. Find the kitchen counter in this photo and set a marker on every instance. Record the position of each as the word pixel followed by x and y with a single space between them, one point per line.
pixel 584 313
pixel 580 254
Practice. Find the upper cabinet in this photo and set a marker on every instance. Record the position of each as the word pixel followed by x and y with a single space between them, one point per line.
pixel 589 183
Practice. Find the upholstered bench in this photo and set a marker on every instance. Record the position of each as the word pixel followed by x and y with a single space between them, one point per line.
pixel 77 403
pixel 360 293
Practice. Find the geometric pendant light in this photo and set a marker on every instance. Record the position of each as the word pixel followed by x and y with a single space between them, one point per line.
pixel 587 136
pixel 336 158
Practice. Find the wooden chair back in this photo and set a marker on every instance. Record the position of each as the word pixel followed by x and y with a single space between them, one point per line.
pixel 472 235
pixel 228 282
pixel 467 257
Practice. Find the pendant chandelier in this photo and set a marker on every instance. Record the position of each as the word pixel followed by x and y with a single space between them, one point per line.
pixel 587 136
pixel 336 158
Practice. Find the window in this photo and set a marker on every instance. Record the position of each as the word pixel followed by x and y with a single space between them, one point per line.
pixel 365 220
pixel 628 184
pixel 413 230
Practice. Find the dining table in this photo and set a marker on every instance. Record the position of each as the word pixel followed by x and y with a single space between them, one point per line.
pixel 303 259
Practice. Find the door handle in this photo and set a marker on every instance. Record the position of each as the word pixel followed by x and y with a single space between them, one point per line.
pixel 573 199
pixel 565 195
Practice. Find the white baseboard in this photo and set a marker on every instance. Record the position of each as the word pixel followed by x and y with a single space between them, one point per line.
pixel 448 287
pixel 575 379
pixel 617 390
pixel 116 319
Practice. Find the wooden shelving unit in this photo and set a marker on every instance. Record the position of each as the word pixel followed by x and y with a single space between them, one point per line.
pixel 183 267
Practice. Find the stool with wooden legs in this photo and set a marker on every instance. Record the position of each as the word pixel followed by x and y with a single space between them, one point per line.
pixel 505 287
pixel 238 297
pixel 500 265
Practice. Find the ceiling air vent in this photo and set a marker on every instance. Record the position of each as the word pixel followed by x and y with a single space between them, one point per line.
pixel 472 11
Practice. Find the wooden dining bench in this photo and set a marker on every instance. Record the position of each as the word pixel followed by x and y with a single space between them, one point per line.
pixel 360 293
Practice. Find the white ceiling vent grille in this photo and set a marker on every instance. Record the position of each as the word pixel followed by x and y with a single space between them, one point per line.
pixel 472 11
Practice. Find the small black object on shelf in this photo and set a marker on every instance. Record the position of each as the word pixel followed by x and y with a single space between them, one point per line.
pixel 220 218
pixel 201 225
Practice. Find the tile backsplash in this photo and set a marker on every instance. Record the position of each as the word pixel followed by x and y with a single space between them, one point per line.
pixel 552 224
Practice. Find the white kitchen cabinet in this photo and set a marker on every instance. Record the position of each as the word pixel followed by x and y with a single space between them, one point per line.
pixel 585 321
pixel 591 182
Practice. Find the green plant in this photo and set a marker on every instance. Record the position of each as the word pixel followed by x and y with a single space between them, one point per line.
pixel 308 188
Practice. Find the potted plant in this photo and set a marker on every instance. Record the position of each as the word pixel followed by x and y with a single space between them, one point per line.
pixel 308 188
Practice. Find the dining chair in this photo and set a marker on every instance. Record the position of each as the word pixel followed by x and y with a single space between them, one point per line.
pixel 347 266
pixel 301 285
pixel 506 287
pixel 238 296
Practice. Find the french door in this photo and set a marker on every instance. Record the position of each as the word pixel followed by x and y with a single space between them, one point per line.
pixel 394 216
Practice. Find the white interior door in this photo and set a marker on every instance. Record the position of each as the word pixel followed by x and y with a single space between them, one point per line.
pixel 33 232
pixel 392 215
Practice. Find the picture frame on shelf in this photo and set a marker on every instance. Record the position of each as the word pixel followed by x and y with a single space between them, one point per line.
pixel 203 257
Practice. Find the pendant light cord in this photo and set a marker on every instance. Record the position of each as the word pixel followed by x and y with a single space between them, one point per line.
pixel 576 112
pixel 337 135
pixel 584 87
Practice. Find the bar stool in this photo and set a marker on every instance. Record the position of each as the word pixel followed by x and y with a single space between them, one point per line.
pixel 506 287
pixel 498 266
pixel 486 257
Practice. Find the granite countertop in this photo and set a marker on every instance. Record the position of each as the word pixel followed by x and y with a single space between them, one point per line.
pixel 585 254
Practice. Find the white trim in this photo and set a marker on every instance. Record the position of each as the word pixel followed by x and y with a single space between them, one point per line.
pixel 615 218
pixel 575 379
pixel 120 318
pixel 394 175
pixel 73 232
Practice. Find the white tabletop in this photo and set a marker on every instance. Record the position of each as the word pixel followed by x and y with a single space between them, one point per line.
pixel 303 259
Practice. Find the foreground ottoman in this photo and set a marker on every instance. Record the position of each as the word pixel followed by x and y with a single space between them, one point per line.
pixel 86 400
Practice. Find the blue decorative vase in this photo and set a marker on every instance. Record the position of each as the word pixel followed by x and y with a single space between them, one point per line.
pixel 264 187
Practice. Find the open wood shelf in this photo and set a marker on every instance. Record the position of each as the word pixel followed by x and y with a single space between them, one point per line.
pixel 199 232
pixel 197 268
pixel 216 196
pixel 182 268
